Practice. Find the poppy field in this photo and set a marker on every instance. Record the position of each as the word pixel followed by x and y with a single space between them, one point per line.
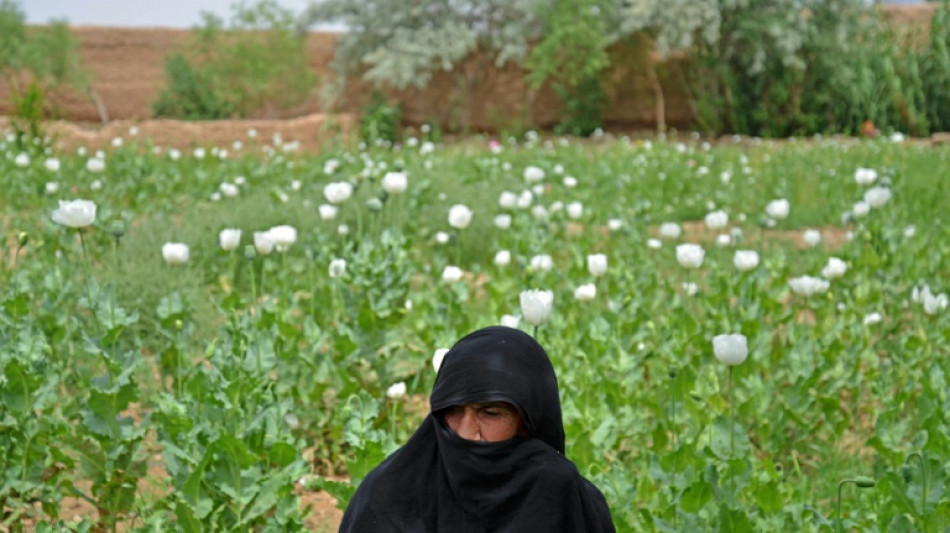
pixel 749 335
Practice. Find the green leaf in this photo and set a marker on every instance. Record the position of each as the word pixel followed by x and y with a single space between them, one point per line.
pixel 234 469
pixel 605 434
pixel 281 454
pixel 19 387
pixel 696 496
pixel 195 495
pixel 186 519
pixel 734 521
pixel 727 434
pixel 768 497
pixel 105 405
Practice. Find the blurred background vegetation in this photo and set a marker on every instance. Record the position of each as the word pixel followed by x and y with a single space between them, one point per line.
pixel 770 68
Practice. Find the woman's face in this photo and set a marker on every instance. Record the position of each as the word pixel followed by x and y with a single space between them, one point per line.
pixel 486 422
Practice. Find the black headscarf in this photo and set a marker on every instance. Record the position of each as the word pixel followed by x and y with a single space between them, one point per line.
pixel 440 482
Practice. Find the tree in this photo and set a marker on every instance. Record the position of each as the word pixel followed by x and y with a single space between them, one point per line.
pixel 402 43
pixel 572 55
pixel 670 26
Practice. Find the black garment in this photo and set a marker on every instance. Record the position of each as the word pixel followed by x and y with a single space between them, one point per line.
pixel 440 482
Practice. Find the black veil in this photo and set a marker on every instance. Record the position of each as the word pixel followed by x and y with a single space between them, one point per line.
pixel 440 482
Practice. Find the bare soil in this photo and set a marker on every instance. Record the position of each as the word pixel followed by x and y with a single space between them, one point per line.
pixel 832 238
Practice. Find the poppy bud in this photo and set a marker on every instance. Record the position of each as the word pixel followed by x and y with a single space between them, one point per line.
pixel 117 228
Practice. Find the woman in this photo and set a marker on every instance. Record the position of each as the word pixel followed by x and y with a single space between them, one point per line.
pixel 489 457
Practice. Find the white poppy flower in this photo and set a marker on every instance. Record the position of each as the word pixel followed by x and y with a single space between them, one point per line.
pixel 229 190
pixel 834 269
pixel 690 255
pixel 338 192
pixel 778 209
pixel 175 253
pixel 808 285
pixel 536 306
pixel 438 357
pixel 717 219
pixel 597 264
pixel 865 176
pixel 670 230
pixel 337 268
pixel 508 199
pixel 575 210
pixel 229 239
pixel 264 242
pixel 585 292
pixel 731 349
pixel 861 209
pixel 327 211
pixel 451 274
pixel 75 213
pixel 510 321
pixel 746 260
pixel 460 216
pixel 542 262
pixel 502 258
pixel 396 390
pixel 395 182
pixel 284 236
pixel 877 196
pixel 533 174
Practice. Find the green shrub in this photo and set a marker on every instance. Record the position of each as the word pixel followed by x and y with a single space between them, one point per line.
pixel 380 120
pixel 257 64
pixel 35 64
pixel 582 107
pixel 833 71
pixel 935 71
pixel 190 93
pixel 571 56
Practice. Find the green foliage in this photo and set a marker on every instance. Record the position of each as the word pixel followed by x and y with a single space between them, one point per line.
pixel 934 74
pixel 28 113
pixel 380 121
pixel 256 64
pixel 582 107
pixel 773 71
pixel 572 55
pixel 399 44
pixel 226 447
pixel 573 48
pixel 35 64
pixel 402 44
pixel 674 25
pixel 191 93
pixel 283 373
pixel 53 56
pixel 12 36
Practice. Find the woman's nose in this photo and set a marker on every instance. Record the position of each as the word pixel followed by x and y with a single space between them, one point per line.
pixel 468 426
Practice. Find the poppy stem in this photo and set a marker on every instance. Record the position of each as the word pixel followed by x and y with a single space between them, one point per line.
pixel 85 263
